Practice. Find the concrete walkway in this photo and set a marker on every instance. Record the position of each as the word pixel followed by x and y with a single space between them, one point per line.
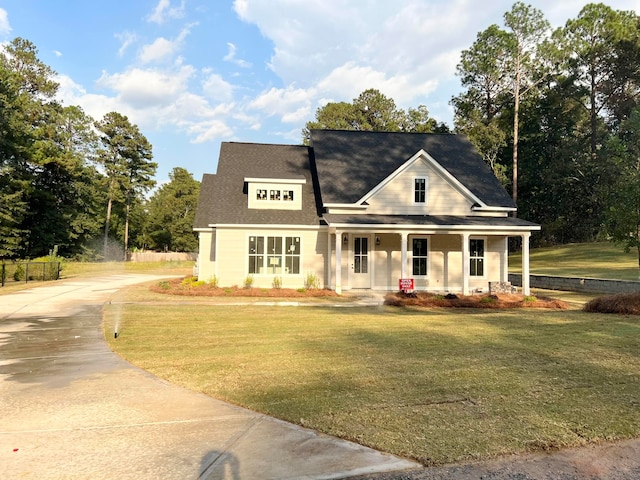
pixel 72 409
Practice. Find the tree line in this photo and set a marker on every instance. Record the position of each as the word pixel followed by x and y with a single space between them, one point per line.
pixel 74 185
pixel 556 115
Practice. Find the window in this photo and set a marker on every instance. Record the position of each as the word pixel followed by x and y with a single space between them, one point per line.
pixel 476 256
pixel 287 195
pixel 256 254
pixel 361 255
pixel 274 195
pixel 420 252
pixel 267 255
pixel 261 194
pixel 292 255
pixel 420 190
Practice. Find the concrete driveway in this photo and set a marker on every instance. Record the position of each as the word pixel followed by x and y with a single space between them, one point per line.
pixel 71 409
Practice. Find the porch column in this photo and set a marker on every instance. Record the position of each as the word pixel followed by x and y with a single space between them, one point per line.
pixel 403 255
pixel 338 262
pixel 505 261
pixel 466 272
pixel 328 262
pixel 526 290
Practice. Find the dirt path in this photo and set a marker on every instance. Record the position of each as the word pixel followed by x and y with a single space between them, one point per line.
pixel 614 461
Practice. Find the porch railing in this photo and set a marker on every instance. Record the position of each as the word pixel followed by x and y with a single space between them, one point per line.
pixel 17 272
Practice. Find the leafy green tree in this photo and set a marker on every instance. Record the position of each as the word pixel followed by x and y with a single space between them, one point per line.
pixel 171 211
pixel 499 68
pixel 591 47
pixel 623 215
pixel 126 157
pixel 372 111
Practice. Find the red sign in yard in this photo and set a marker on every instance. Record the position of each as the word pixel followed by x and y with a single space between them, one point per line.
pixel 406 284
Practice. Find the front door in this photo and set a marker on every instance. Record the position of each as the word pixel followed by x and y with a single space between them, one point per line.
pixel 361 264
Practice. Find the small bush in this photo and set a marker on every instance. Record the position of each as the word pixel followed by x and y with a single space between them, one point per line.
pixel 277 283
pixel 530 298
pixel 213 281
pixel 301 290
pixel 164 285
pixel 248 282
pixel 311 282
pixel 189 281
pixel 489 299
pixel 19 273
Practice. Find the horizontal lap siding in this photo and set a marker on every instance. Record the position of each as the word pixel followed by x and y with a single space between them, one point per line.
pixel 233 264
pixel 397 196
pixel 206 257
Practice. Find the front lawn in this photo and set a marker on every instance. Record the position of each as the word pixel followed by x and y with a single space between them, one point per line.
pixel 435 385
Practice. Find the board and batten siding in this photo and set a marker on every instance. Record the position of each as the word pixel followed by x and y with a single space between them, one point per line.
pixel 397 197
pixel 233 266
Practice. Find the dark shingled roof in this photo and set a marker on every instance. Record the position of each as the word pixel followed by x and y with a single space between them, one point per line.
pixel 223 197
pixel 352 163
pixel 429 220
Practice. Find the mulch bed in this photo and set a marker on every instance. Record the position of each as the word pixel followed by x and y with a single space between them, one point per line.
pixel 179 286
pixel 424 299
pixel 622 303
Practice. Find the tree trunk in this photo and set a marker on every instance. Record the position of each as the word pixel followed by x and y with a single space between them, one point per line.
pixel 593 120
pixel 516 111
pixel 106 228
pixel 126 227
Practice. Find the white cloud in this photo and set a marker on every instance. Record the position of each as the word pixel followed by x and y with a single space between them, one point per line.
pixel 127 39
pixel 231 57
pixel 162 48
pixel 216 88
pixel 57 53
pixel 142 88
pixel 164 11
pixel 5 28
pixel 290 104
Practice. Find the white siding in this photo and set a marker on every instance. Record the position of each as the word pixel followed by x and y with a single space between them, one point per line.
pixel 233 265
pixel 206 255
pixel 397 197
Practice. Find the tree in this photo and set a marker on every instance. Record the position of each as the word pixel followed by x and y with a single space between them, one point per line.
pixel 372 111
pixel 126 158
pixel 498 70
pixel 623 214
pixel 170 213
pixel 592 46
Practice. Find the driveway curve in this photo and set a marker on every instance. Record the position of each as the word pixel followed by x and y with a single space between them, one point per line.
pixel 72 409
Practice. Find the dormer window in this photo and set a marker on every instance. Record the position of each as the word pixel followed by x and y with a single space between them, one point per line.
pixel 287 195
pixel 274 195
pixel 420 190
pixel 261 194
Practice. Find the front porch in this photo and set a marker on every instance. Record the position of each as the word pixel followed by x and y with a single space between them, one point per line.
pixel 462 261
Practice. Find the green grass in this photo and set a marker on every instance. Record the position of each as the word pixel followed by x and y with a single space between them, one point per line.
pixel 438 386
pixel 596 260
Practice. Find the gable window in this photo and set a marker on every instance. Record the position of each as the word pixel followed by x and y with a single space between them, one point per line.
pixel 287 195
pixel 420 256
pixel 261 194
pixel 420 190
pixel 476 257
pixel 267 255
pixel 274 195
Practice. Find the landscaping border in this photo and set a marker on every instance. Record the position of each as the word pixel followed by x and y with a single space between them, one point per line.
pixel 577 284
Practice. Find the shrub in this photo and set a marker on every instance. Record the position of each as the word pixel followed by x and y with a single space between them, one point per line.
pixel 311 282
pixel 277 283
pixel 489 299
pixel 248 282
pixel 213 281
pixel 530 298
pixel 19 273
pixel 164 285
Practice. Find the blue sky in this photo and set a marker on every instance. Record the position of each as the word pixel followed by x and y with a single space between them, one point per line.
pixel 194 73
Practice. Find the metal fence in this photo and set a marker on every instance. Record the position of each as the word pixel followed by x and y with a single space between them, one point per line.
pixel 17 272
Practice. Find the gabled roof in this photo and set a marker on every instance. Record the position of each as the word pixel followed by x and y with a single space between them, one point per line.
pixel 351 163
pixel 223 197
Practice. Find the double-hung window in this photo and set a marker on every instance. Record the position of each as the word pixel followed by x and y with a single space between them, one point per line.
pixel 275 255
pixel 420 256
pixel 476 257
pixel 420 190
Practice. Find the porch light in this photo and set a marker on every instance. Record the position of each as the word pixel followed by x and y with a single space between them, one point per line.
pixel 345 239
pixel 377 240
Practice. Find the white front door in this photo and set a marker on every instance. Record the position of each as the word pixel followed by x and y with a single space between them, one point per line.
pixel 361 263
